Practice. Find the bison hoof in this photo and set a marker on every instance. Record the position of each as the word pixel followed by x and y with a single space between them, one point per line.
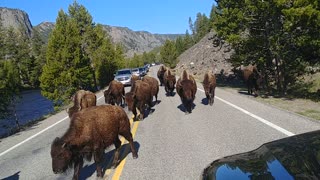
pixel 135 156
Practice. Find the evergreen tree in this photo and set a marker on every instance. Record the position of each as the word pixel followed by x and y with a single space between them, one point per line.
pixel 169 54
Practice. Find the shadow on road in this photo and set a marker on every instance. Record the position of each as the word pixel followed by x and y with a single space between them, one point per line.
pixel 205 101
pixel 88 170
pixel 13 177
pixel 183 109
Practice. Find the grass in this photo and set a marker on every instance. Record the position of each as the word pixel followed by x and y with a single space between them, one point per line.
pixel 315 114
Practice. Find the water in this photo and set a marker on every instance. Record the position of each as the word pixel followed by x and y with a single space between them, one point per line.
pixel 30 107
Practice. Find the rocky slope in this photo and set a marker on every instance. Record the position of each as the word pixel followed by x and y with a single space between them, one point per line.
pixel 206 56
pixel 17 19
pixel 133 41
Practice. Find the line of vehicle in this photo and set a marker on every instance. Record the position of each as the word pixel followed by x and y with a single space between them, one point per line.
pixel 278 128
pixel 37 134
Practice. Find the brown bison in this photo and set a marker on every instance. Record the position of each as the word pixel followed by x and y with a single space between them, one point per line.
pixel 169 82
pixel 186 88
pixel 134 78
pixel 252 79
pixel 115 93
pixel 91 131
pixel 209 86
pixel 81 100
pixel 160 73
pixel 142 97
pixel 153 82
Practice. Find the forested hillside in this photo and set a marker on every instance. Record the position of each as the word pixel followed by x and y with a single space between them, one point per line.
pixel 280 36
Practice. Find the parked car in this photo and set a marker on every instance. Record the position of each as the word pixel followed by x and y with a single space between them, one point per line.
pixel 295 157
pixel 123 76
pixel 147 66
pixel 135 71
pixel 142 71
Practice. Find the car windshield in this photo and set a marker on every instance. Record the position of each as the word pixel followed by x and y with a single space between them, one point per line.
pixel 141 69
pixel 124 72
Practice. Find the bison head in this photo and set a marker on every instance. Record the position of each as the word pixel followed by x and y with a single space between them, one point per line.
pixel 109 99
pixel 61 156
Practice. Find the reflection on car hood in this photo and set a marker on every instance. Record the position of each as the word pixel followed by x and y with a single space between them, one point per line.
pixel 296 157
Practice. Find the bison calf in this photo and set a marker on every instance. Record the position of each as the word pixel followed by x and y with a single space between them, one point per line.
pixel 115 93
pixel 209 86
pixel 90 132
pixel 81 100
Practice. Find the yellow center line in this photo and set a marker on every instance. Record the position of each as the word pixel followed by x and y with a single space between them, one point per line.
pixel 122 139
pixel 119 169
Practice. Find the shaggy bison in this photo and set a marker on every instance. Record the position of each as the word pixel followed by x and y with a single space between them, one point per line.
pixel 209 86
pixel 115 93
pixel 160 73
pixel 134 78
pixel 90 132
pixel 141 96
pixel 169 82
pixel 154 84
pixel 252 79
pixel 186 88
pixel 81 100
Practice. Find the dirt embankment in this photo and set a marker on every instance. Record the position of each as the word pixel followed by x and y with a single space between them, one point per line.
pixel 206 56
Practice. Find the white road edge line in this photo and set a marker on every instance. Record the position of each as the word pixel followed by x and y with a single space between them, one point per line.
pixel 282 130
pixel 35 135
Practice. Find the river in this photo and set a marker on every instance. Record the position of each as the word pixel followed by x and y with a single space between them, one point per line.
pixel 30 107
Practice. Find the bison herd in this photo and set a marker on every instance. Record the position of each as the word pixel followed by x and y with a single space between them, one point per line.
pixel 93 128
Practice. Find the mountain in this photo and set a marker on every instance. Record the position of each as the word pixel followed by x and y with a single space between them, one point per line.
pixel 17 19
pixel 137 41
pixel 206 56
pixel 133 41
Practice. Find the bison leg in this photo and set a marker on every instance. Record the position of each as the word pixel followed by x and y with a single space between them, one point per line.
pixel 117 144
pixel 77 166
pixel 141 108
pixel 98 158
pixel 128 136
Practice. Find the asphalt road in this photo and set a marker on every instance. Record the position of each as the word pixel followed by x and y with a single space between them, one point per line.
pixel 171 145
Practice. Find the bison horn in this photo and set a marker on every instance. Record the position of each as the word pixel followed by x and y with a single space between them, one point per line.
pixel 64 145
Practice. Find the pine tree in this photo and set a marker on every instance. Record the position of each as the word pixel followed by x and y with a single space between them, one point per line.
pixel 169 54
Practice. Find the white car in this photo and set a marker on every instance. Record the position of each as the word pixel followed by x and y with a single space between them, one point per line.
pixel 123 76
pixel 135 71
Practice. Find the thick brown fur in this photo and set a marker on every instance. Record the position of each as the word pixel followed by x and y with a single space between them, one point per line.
pixel 252 78
pixel 169 82
pixel 129 100
pixel 81 100
pixel 209 86
pixel 153 82
pixel 187 88
pixel 90 132
pixel 160 73
pixel 141 97
pixel 115 93
pixel 134 78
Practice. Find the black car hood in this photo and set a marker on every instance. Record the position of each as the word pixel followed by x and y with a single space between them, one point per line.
pixel 296 157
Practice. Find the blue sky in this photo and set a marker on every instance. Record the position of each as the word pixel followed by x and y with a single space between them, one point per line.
pixel 155 16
